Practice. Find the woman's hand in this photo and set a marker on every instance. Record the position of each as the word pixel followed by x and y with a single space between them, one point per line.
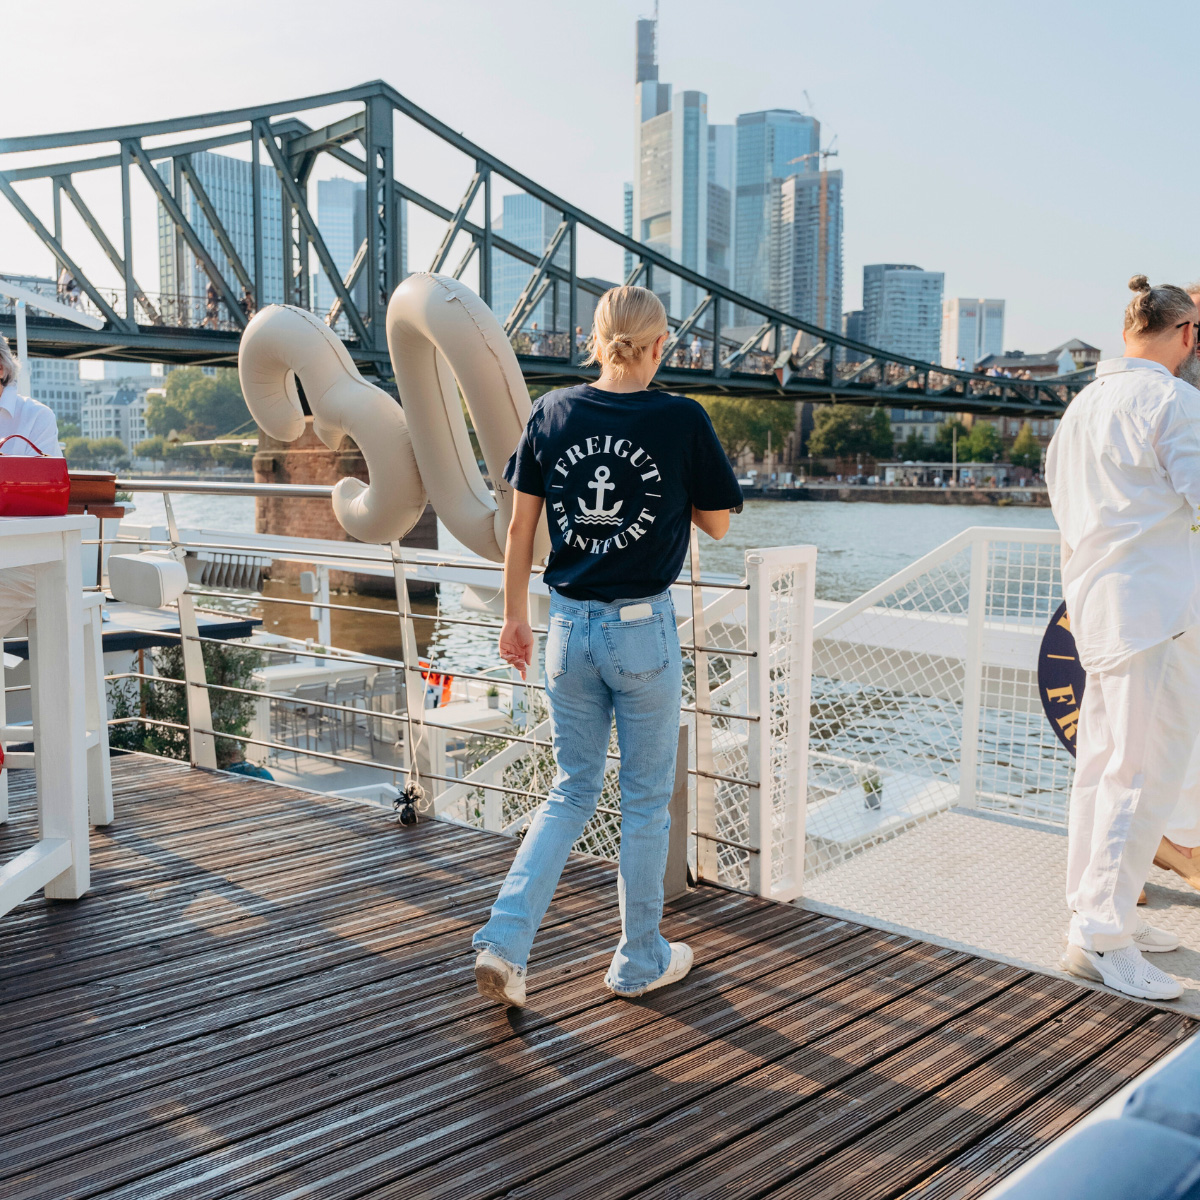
pixel 516 644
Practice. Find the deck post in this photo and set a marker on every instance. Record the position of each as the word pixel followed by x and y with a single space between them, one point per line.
pixel 675 880
pixel 973 670
pixel 706 822
pixel 202 749
pixel 779 632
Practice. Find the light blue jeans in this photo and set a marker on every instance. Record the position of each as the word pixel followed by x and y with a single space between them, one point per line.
pixel 596 666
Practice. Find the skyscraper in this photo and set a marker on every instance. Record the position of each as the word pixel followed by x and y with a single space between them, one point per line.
pixel 342 220
pixel 628 228
pixel 671 177
pixel 530 224
pixel 903 307
pixel 771 146
pixel 806 250
pixel 722 140
pixel 971 330
pixel 227 182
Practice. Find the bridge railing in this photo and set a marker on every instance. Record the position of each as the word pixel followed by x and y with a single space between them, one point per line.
pixel 744 345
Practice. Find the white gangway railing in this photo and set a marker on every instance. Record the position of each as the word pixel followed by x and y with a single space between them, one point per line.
pixel 925 697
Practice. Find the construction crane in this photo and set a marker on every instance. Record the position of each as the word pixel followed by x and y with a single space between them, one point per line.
pixel 828 152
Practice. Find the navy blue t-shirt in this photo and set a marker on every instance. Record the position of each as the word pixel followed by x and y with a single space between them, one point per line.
pixel 620 473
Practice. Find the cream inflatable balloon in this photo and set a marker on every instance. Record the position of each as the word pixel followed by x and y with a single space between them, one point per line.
pixel 282 344
pixel 439 331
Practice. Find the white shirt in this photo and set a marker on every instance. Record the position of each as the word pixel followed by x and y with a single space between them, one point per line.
pixel 1123 472
pixel 19 414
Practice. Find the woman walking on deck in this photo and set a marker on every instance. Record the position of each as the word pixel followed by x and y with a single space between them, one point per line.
pixel 624 472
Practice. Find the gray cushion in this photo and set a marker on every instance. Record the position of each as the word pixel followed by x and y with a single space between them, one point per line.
pixel 1117 1160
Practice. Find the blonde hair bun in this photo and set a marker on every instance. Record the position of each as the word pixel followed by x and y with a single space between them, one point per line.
pixel 1139 283
pixel 628 320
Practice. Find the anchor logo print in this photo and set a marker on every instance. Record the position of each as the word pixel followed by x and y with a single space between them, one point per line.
pixel 582 495
pixel 598 514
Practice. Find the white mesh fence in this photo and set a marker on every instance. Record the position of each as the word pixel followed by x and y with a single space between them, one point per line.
pixel 925 697
pixel 756 638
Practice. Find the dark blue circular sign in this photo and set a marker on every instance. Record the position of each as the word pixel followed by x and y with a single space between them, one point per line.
pixel 1060 678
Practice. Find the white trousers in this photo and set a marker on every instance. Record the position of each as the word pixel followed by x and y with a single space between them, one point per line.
pixel 1137 729
pixel 18 594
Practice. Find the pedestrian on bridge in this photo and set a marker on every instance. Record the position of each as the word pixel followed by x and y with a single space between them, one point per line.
pixel 1123 472
pixel 623 472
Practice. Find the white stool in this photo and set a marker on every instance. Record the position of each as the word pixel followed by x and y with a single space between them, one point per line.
pixel 99 771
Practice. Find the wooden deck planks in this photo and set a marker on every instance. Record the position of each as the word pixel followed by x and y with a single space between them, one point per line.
pixel 268 994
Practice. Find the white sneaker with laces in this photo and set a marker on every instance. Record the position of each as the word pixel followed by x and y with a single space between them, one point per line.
pixel 1124 970
pixel 499 980
pixel 1150 940
pixel 677 968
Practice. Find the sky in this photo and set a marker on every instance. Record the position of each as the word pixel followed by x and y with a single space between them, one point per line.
pixel 1038 152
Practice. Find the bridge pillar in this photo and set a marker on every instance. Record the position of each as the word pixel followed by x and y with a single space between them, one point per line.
pixel 309 460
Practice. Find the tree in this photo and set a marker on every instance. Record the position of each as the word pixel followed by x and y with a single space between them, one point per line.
pixel 86 452
pixel 198 405
pixel 941 449
pixel 914 448
pixel 67 429
pixel 742 424
pixel 846 431
pixel 1025 450
pixel 983 444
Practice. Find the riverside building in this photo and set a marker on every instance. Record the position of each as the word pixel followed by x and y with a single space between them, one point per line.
pixel 971 330
pixel 903 310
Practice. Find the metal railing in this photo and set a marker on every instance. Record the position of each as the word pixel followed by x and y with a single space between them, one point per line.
pixel 744 826
pixel 925 697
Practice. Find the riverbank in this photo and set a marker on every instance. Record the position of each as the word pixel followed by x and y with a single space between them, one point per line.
pixel 1030 497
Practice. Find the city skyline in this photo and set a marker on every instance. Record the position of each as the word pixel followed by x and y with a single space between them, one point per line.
pixel 961 156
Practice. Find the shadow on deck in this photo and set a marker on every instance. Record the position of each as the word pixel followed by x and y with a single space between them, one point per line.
pixel 268 994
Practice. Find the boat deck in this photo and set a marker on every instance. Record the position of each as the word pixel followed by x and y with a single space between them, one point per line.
pixel 993 885
pixel 268 994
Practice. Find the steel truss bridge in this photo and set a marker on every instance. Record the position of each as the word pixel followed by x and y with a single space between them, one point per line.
pixel 721 341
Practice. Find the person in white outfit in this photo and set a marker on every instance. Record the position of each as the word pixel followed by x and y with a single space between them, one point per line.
pixel 33 420
pixel 1123 472
pixel 1179 851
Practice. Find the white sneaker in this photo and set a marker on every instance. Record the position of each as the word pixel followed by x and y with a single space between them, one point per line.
pixel 1124 970
pixel 499 980
pixel 677 968
pixel 1154 941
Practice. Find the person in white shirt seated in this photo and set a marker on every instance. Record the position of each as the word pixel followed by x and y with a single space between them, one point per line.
pixel 33 420
pixel 1123 472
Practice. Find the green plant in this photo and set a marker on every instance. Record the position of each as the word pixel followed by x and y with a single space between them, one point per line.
pixel 493 690
pixel 161 700
pixel 872 786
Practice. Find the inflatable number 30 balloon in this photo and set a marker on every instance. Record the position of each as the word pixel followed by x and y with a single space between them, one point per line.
pixel 438 331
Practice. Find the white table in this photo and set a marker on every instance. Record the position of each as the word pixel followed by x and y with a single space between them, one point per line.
pixel 58 861
pixel 281 679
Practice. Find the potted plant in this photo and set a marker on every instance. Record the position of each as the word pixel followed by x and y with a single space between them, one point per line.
pixel 493 697
pixel 872 786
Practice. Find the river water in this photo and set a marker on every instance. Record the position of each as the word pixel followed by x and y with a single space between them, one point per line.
pixel 858 544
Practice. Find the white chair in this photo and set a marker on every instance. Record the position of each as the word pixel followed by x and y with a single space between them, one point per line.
pixel 99 773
